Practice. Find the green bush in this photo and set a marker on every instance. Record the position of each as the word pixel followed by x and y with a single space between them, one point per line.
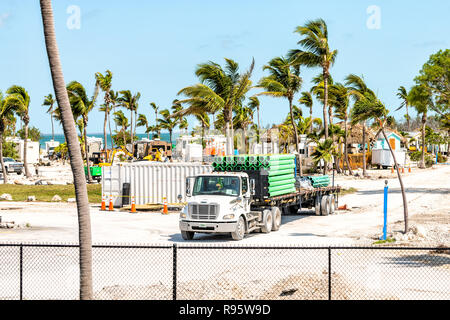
pixel 416 156
pixel 441 158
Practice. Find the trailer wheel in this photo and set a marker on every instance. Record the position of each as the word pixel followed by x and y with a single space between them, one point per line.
pixel 267 221
pixel 239 233
pixel 332 203
pixel 276 217
pixel 187 235
pixel 317 203
pixel 324 206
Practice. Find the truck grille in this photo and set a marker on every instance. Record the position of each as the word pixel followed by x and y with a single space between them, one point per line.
pixel 204 211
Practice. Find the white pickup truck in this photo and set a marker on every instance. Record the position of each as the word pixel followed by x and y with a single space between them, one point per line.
pixel 238 203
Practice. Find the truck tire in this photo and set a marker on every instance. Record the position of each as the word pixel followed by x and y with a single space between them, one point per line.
pixel 239 233
pixel 267 221
pixel 324 206
pixel 317 203
pixel 332 203
pixel 276 219
pixel 187 235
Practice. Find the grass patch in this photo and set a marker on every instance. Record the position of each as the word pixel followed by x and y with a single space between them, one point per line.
pixel 46 193
pixel 388 240
pixel 347 191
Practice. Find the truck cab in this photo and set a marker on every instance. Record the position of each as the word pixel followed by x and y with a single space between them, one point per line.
pixel 221 202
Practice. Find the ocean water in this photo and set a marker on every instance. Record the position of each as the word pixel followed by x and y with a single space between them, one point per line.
pixel 61 139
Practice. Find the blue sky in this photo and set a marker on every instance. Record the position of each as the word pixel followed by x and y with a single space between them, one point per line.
pixel 154 46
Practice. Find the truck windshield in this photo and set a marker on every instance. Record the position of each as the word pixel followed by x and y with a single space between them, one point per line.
pixel 216 185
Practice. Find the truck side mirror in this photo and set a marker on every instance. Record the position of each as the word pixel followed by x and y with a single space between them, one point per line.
pixel 188 189
pixel 252 187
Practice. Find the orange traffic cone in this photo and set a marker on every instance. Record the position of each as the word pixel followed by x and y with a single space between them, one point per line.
pixel 103 203
pixel 165 208
pixel 133 205
pixel 409 169
pixel 111 207
pixel 403 170
pixel 392 170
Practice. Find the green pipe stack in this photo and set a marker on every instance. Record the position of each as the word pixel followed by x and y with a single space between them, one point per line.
pixel 280 169
pixel 319 181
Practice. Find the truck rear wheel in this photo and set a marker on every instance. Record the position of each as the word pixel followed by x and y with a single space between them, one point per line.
pixel 324 206
pixel 276 217
pixel 267 221
pixel 239 233
pixel 187 235
pixel 332 203
pixel 317 202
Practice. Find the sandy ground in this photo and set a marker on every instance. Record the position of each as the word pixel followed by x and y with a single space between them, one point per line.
pixel 428 195
pixel 121 273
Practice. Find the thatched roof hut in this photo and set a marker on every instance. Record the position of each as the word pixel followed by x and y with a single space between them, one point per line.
pixel 355 133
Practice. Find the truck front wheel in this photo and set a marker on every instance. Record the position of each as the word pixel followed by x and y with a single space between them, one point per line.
pixel 267 221
pixel 239 233
pixel 187 235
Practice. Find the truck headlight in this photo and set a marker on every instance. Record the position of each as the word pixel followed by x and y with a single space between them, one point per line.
pixel 228 217
pixel 182 215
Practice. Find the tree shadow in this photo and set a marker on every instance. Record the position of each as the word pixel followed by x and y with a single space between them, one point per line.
pixel 407 190
pixel 420 260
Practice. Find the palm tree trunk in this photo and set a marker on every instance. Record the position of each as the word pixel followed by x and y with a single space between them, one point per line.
pixel 53 128
pixel 105 143
pixel 346 149
pixel 259 125
pixel 25 149
pixel 131 134
pixel 111 136
pixel 325 101
pixel 405 202
pixel 407 117
pixel 297 147
pixel 424 122
pixel 86 153
pixel 364 148
pixel 310 116
pixel 5 174
pixel 76 162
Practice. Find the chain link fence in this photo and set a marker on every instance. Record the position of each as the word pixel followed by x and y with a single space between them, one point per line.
pixel 196 272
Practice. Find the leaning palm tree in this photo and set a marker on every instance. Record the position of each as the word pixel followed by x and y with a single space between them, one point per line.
pixel 76 161
pixel 421 99
pixel 105 82
pixel 7 111
pixel 220 89
pixel 156 110
pixel 284 81
pixel 19 97
pixel 130 102
pixel 82 105
pixel 49 102
pixel 307 101
pixel 402 94
pixel 255 104
pixel 317 53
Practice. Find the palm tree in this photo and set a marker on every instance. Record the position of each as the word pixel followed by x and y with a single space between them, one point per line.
pixel 7 112
pixel 369 106
pixel 307 101
pixel 359 90
pixel 324 151
pixel 242 119
pixel 403 95
pixel 204 120
pixel 156 110
pixel 20 98
pixel 319 91
pixel 420 97
pixel 121 121
pixel 76 161
pixel 221 89
pixel 130 102
pixel 167 122
pixel 317 54
pixel 49 101
pixel 81 105
pixel 105 82
pixel 143 122
pixel 255 104
pixel 114 97
pixel 340 101
pixel 284 81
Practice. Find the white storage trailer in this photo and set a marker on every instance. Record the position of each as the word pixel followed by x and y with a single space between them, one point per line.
pixel 383 158
pixel 149 182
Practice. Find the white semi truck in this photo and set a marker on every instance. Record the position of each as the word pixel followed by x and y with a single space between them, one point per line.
pixel 238 203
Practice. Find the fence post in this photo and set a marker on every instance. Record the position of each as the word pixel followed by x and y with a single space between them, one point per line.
pixel 329 273
pixel 174 283
pixel 21 271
